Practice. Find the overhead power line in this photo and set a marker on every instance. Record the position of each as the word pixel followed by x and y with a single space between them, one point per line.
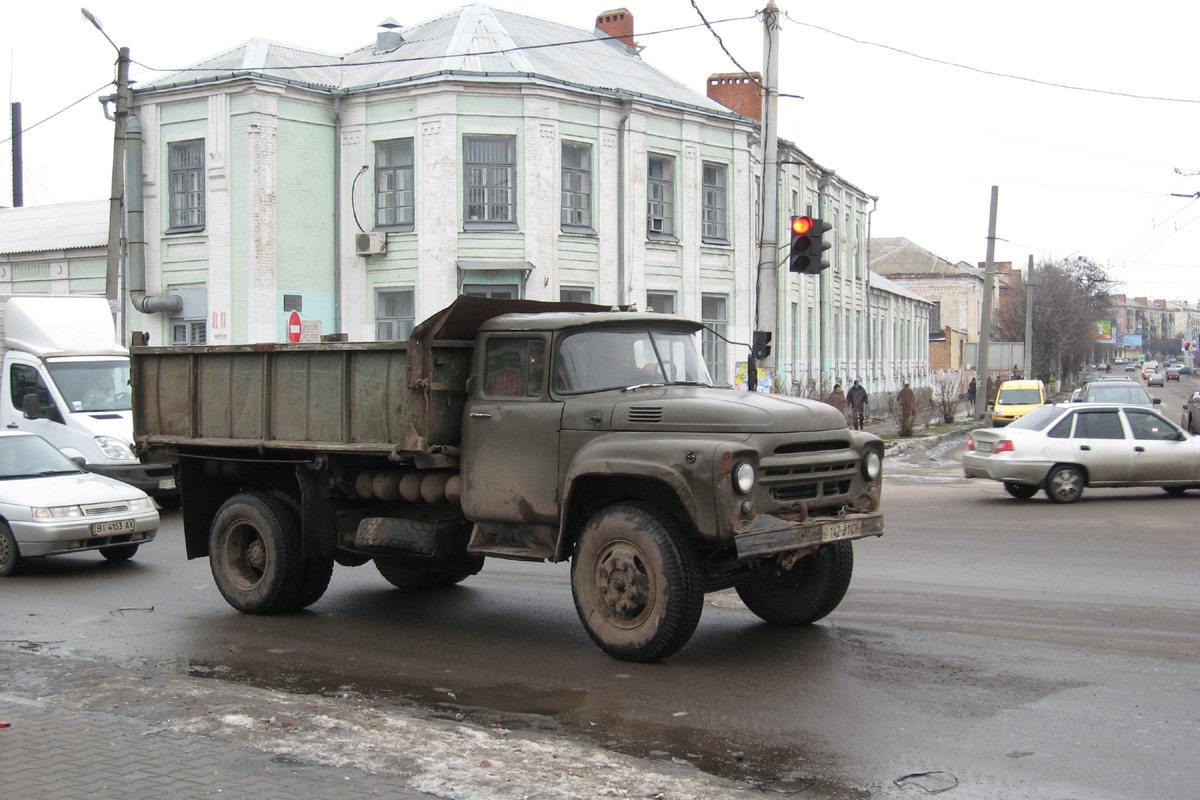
pixel 90 94
pixel 993 73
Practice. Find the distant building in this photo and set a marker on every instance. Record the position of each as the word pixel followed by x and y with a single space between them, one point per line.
pixel 58 249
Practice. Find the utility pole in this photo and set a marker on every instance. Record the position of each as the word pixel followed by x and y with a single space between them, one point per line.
pixel 18 165
pixel 981 395
pixel 113 273
pixel 1029 287
pixel 766 314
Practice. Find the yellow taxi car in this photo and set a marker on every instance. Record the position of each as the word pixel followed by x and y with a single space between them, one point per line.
pixel 1015 399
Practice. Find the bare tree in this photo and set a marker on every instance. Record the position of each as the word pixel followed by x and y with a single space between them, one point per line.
pixel 1070 296
pixel 947 393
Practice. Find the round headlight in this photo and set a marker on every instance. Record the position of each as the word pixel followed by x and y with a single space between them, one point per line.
pixel 743 477
pixel 872 465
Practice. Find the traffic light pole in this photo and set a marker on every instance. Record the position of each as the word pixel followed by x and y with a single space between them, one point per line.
pixel 767 283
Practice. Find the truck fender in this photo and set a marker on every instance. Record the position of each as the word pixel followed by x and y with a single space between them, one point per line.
pixel 610 457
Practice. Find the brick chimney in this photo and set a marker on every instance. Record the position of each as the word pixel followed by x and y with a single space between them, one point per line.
pixel 618 24
pixel 738 92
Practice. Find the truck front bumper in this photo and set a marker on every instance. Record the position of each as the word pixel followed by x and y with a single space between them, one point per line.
pixel 155 480
pixel 766 535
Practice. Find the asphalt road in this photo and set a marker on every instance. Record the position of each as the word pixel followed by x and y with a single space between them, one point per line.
pixel 1007 649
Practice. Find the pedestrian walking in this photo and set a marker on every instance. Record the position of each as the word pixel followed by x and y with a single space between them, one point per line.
pixel 858 400
pixel 971 390
pixel 837 398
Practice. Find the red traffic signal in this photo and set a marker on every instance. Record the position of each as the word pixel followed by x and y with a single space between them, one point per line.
pixel 809 245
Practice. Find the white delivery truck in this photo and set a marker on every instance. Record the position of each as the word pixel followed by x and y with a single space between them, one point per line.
pixel 66 378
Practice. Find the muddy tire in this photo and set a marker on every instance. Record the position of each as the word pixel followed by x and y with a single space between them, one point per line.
pixel 120 552
pixel 1064 484
pixel 318 569
pixel 406 575
pixel 10 554
pixel 254 553
pixel 636 583
pixel 807 592
pixel 1021 491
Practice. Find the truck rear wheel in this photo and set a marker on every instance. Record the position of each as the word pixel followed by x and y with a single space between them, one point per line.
pixel 807 592
pixel 636 584
pixel 254 553
pixel 318 569
pixel 406 575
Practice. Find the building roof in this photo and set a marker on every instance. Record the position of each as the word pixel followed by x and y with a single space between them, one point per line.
pixel 66 226
pixel 473 42
pixel 891 287
pixel 900 256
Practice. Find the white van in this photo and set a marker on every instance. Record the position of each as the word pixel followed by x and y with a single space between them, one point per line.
pixel 66 378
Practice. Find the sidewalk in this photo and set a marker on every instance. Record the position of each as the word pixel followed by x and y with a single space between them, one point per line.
pixel 95 730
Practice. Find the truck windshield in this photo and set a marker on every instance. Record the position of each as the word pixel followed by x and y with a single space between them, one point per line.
pixel 93 385
pixel 598 360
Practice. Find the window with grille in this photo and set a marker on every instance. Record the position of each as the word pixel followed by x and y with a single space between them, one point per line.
pixel 576 185
pixel 715 315
pixel 395 314
pixel 660 194
pixel 394 195
pixel 188 331
pixel 186 180
pixel 490 172
pixel 713 203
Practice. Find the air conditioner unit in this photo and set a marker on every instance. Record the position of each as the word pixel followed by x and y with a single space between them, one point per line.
pixel 370 244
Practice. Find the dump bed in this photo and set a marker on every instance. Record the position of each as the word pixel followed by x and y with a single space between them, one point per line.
pixel 376 397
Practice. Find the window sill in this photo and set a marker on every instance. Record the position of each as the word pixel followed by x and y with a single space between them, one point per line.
pixel 408 228
pixel 716 242
pixel 651 236
pixel 490 226
pixel 190 229
pixel 579 230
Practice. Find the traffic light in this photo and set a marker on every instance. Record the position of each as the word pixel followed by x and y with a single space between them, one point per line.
pixel 809 245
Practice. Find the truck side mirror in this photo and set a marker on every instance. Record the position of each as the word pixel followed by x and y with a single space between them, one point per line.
pixel 31 407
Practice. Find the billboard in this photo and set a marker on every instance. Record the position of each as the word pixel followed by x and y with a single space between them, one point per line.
pixel 1103 332
pixel 1132 340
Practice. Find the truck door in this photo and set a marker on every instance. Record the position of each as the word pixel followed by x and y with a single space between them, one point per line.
pixel 26 379
pixel 510 436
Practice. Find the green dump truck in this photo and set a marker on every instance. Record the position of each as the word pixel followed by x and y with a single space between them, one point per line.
pixel 520 430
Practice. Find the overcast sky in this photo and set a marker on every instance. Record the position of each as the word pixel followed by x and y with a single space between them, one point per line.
pixel 1092 170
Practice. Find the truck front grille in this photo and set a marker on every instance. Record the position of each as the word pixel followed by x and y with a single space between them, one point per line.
pixel 809 481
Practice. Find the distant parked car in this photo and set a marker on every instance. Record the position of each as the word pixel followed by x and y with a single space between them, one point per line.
pixel 1065 448
pixel 1185 370
pixel 1156 379
pixel 51 505
pixel 1091 376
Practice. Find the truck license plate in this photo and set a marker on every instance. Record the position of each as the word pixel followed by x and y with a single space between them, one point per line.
pixel 833 531
pixel 116 526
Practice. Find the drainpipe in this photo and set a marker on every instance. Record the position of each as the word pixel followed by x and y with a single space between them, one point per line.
pixel 135 265
pixel 622 132
pixel 338 94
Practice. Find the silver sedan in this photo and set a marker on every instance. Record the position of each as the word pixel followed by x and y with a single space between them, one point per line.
pixel 50 505
pixel 1063 448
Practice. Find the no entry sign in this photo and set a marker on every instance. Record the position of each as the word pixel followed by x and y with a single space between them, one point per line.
pixel 293 327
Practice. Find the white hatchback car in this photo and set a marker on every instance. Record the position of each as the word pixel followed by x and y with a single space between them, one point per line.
pixel 1063 448
pixel 50 505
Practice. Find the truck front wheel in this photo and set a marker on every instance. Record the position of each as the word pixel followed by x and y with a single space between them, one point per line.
pixel 636 583
pixel 254 554
pixel 807 592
